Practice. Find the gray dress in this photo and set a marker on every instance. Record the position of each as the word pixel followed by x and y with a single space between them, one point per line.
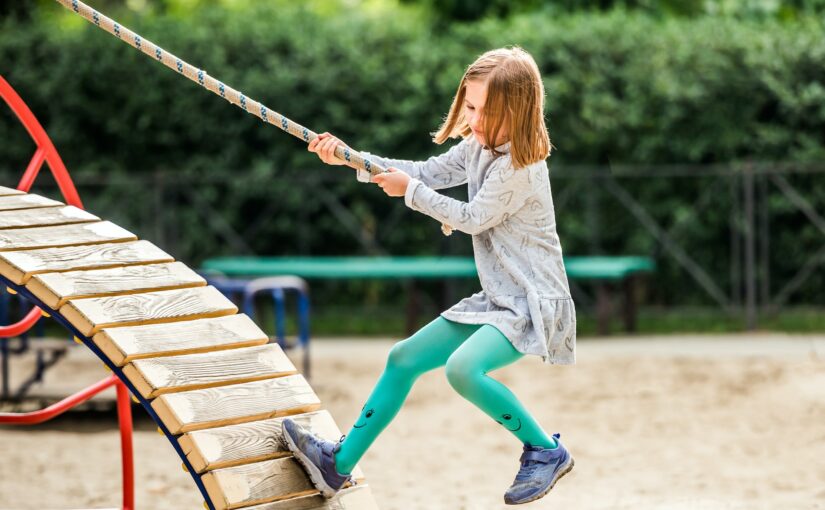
pixel 517 252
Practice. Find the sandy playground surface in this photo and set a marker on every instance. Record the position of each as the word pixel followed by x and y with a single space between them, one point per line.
pixel 681 422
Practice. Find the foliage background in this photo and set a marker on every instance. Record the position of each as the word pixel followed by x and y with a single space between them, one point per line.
pixel 635 84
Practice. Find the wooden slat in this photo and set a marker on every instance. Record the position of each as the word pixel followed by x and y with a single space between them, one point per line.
pixel 55 289
pixel 44 216
pixel 92 314
pixel 4 191
pixel 20 266
pixel 233 445
pixel 357 497
pixel 257 483
pixel 64 235
pixel 157 376
pixel 123 345
pixel 25 201
pixel 238 403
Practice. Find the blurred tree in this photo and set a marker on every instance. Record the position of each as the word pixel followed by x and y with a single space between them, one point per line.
pixel 469 10
pixel 15 9
pixel 622 86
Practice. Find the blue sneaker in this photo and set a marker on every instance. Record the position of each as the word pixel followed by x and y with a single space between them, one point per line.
pixel 317 455
pixel 540 469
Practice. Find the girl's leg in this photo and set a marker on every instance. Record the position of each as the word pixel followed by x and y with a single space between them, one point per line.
pixel 488 349
pixel 427 349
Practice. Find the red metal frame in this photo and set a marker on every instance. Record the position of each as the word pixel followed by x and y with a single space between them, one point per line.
pixel 45 148
pixel 45 152
pixel 21 326
pixel 48 153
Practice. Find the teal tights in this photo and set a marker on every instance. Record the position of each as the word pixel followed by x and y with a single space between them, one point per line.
pixel 468 351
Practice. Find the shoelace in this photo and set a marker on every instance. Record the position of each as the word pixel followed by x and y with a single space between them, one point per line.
pixel 528 466
pixel 526 470
pixel 319 441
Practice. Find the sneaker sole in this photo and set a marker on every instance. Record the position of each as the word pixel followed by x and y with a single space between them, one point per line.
pixel 561 472
pixel 313 471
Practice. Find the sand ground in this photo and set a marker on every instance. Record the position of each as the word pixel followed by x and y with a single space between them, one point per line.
pixel 679 422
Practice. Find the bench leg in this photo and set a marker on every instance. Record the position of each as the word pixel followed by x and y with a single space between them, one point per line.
pixel 603 308
pixel 412 307
pixel 629 308
pixel 303 329
pixel 447 293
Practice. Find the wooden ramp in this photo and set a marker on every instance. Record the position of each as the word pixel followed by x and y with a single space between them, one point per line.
pixel 207 375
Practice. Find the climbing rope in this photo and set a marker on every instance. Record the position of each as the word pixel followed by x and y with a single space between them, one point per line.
pixel 354 158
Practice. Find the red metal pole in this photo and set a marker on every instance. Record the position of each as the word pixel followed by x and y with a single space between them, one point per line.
pixel 58 408
pixel 33 168
pixel 44 144
pixel 124 416
pixel 21 326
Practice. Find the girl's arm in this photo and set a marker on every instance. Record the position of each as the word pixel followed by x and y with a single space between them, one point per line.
pixel 437 172
pixel 504 191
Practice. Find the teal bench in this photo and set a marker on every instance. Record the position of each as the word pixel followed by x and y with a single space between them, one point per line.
pixel 605 272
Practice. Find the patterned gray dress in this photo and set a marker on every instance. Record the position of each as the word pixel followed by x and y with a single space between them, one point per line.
pixel 510 216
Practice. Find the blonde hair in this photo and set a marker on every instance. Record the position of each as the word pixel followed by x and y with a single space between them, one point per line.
pixel 515 95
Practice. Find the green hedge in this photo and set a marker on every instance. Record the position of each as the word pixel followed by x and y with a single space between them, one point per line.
pixel 622 88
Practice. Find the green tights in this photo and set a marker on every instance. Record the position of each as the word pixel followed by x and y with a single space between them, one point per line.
pixel 468 351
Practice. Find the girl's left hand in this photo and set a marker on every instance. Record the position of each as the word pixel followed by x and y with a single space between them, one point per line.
pixel 394 183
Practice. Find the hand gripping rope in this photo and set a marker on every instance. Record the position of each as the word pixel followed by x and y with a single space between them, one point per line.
pixel 354 158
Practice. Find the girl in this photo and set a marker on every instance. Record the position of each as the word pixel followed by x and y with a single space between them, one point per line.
pixel 525 306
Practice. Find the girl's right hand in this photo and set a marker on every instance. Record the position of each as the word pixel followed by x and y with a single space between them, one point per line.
pixel 324 145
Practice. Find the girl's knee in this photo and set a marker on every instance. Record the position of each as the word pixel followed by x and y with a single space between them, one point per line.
pixel 461 374
pixel 401 357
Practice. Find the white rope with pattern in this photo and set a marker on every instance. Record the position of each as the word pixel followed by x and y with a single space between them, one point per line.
pixel 352 157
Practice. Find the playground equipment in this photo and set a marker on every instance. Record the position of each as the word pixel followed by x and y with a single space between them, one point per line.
pixel 19 217
pixel 205 374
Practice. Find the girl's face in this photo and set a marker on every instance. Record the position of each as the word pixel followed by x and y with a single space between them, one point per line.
pixel 475 95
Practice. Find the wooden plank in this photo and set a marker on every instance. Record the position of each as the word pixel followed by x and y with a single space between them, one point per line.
pixel 238 403
pixel 245 443
pixel 158 376
pixel 55 289
pixel 357 497
pixel 257 483
pixel 90 315
pixel 20 266
pixel 63 235
pixel 26 201
pixel 45 216
pixel 123 345
pixel 4 191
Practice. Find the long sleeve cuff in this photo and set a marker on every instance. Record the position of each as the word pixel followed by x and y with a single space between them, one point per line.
pixel 410 193
pixel 362 175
